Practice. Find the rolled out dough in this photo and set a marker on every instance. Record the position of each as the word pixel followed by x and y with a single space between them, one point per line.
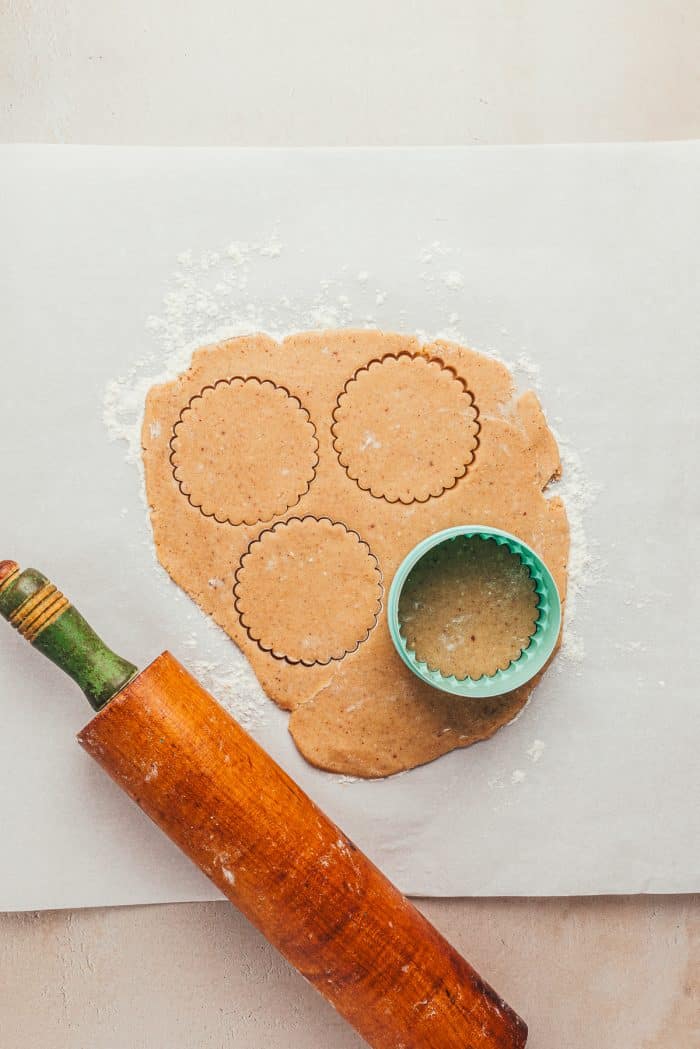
pixel 287 481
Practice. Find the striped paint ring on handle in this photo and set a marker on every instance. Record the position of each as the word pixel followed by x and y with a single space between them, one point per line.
pixel 38 612
pixel 9 573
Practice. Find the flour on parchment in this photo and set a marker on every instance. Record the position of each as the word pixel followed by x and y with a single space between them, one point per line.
pixel 215 294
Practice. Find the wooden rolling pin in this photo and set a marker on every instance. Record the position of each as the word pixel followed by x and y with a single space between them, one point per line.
pixel 263 842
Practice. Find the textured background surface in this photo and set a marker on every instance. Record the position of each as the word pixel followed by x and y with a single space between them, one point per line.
pixel 590 972
pixel 596 973
pixel 371 72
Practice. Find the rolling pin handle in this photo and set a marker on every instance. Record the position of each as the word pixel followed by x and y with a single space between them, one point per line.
pixel 47 619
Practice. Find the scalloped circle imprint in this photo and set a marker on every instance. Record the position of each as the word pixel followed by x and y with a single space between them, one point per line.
pixel 308 591
pixel 406 428
pixel 243 451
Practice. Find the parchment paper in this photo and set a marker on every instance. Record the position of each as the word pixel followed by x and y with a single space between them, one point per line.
pixel 586 259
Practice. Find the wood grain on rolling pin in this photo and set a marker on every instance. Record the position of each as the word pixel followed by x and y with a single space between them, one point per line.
pixel 292 872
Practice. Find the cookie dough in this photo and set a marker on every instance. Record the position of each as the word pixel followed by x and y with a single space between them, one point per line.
pixel 372 441
pixel 321 566
pixel 243 451
pixel 405 428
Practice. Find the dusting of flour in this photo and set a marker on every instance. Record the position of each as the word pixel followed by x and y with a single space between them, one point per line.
pixel 215 295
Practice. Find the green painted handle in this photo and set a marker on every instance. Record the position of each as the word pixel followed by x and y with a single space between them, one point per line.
pixel 49 622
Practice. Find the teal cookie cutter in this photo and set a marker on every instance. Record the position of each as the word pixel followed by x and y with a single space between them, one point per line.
pixel 531 659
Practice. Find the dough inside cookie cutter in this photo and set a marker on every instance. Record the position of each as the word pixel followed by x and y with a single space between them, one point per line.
pixel 532 658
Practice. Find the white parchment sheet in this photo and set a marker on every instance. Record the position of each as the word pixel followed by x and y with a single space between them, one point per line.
pixel 581 263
